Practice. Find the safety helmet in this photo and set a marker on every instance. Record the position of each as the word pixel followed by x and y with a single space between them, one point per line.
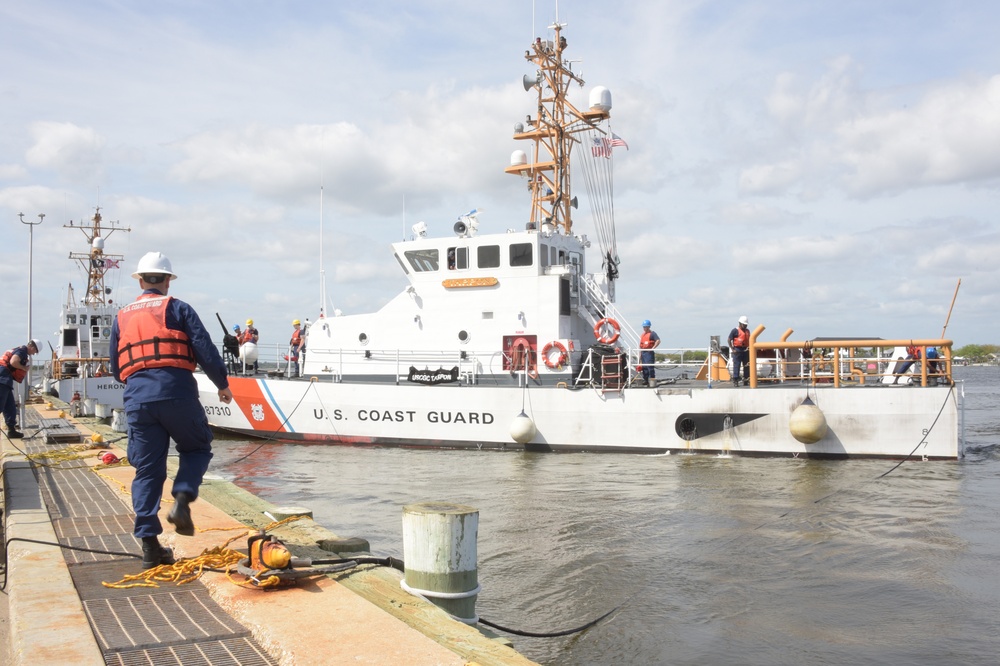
pixel 645 322
pixel 154 262
pixel 37 343
pixel 236 327
pixel 249 322
pixel 296 322
pixel 744 320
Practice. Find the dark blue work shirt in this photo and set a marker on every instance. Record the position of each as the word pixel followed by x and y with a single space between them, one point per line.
pixel 154 384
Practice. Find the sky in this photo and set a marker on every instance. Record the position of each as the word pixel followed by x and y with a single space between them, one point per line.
pixel 829 167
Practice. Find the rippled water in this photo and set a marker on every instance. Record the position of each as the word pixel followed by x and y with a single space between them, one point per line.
pixel 709 560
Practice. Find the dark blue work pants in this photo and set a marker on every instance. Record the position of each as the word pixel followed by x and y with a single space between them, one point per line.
pixel 741 358
pixel 8 405
pixel 151 426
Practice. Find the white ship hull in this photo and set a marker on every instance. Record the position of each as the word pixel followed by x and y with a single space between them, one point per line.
pixel 511 320
pixel 870 422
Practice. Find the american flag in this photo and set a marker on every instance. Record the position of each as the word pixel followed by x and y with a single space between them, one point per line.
pixel 618 141
pixel 601 147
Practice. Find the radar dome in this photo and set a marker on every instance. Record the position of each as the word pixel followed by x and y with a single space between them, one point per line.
pixel 98 243
pixel 518 157
pixel 600 99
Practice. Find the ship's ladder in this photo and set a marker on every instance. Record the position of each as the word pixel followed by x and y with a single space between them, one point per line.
pixel 604 371
pixel 597 305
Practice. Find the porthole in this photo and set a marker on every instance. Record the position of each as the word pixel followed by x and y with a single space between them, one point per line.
pixel 463 337
pixel 363 338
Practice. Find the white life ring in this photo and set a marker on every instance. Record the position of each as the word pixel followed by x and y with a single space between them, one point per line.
pixel 560 359
pixel 603 337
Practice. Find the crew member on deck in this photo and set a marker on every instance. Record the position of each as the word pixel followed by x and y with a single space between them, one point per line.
pixel 295 346
pixel 739 346
pixel 648 342
pixel 250 334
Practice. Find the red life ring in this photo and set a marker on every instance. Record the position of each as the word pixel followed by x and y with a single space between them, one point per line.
pixel 560 360
pixel 599 332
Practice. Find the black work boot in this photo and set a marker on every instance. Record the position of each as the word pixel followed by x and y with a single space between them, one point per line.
pixel 180 515
pixel 14 433
pixel 153 554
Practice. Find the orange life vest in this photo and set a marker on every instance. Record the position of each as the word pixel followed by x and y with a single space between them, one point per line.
pixel 145 341
pixel 296 337
pixel 742 338
pixel 646 342
pixel 17 374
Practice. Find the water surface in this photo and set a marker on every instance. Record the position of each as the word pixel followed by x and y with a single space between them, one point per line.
pixel 708 560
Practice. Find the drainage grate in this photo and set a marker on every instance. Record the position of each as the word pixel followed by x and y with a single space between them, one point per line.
pixel 162 619
pixel 114 543
pixel 229 652
pixel 78 493
pixel 60 430
pixel 68 528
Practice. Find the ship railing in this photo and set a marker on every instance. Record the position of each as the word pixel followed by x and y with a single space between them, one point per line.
pixel 847 362
pixel 73 368
pixel 341 362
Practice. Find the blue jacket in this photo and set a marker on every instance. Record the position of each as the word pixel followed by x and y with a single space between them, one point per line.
pixel 171 383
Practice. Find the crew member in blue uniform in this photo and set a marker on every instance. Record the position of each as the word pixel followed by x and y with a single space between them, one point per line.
pixel 158 341
pixel 739 346
pixel 14 366
pixel 647 343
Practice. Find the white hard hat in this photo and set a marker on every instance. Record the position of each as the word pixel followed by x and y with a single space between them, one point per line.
pixel 744 320
pixel 154 262
pixel 37 343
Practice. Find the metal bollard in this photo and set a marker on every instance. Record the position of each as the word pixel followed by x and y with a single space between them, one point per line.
pixel 439 549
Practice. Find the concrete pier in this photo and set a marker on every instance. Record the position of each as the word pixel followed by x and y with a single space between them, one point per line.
pixel 60 613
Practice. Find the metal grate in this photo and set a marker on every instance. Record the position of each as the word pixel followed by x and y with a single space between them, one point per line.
pixel 59 430
pixel 163 619
pixel 114 543
pixel 78 493
pixel 233 651
pixel 68 528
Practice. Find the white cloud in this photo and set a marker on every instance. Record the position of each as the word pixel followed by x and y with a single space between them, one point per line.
pixel 950 136
pixel 73 152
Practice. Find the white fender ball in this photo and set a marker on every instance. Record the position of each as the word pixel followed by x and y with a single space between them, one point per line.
pixel 807 423
pixel 248 352
pixel 522 428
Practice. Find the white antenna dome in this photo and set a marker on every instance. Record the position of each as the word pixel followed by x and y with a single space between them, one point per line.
pixel 518 157
pixel 98 243
pixel 600 99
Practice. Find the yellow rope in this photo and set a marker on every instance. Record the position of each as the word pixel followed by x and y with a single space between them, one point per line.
pixel 183 571
pixel 190 569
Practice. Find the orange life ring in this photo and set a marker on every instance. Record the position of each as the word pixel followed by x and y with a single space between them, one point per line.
pixel 599 332
pixel 560 360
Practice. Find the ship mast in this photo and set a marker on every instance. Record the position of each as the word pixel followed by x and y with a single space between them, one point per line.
pixel 553 131
pixel 96 263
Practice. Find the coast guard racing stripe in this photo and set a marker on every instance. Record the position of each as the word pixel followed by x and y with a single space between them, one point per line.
pixel 259 409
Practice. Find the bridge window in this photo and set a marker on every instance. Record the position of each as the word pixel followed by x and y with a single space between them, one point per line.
pixel 520 254
pixel 489 256
pixel 458 258
pixel 422 260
